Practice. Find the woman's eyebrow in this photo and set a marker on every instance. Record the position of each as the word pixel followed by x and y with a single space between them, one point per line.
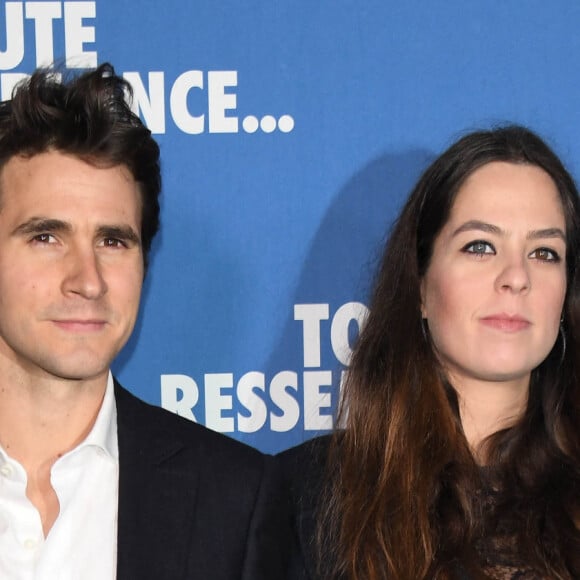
pixel 481 226
pixel 547 233
pixel 478 225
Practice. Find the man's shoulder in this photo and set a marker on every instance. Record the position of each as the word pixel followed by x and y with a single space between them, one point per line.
pixel 305 468
pixel 309 454
pixel 218 507
pixel 136 415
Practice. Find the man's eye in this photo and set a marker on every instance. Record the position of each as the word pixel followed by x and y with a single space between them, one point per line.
pixel 43 238
pixel 114 243
pixel 478 247
pixel 545 255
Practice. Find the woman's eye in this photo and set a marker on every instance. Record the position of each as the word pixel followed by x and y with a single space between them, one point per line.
pixel 478 247
pixel 545 255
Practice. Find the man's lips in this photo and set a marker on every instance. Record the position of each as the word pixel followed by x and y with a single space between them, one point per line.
pixel 506 322
pixel 79 325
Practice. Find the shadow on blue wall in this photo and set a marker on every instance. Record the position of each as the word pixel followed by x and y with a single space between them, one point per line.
pixel 340 266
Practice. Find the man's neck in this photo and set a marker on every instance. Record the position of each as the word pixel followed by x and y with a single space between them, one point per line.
pixel 41 418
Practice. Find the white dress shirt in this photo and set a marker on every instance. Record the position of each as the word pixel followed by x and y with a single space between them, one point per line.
pixel 82 543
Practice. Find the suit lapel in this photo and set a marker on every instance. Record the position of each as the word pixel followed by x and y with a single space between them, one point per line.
pixel 156 495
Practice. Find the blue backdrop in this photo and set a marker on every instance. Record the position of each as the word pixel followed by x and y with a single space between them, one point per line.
pixel 291 131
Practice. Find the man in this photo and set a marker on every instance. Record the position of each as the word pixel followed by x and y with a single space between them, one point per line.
pixel 95 484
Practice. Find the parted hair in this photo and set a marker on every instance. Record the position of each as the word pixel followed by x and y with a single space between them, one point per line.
pixel 405 496
pixel 87 116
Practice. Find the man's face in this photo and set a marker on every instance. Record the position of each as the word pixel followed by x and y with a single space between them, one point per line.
pixel 71 265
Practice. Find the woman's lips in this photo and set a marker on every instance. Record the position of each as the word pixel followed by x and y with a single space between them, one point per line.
pixel 506 322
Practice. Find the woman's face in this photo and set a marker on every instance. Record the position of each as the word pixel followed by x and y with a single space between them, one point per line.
pixel 494 290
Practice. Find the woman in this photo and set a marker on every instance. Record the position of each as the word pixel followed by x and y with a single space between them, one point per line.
pixel 460 456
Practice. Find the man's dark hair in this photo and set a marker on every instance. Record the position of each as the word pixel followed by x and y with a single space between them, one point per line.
pixel 87 116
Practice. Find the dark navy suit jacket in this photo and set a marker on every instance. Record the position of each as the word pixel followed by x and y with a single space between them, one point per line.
pixel 305 470
pixel 194 504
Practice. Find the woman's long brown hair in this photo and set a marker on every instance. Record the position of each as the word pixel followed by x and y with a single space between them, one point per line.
pixel 403 502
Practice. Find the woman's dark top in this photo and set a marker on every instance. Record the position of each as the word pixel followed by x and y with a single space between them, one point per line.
pixel 305 469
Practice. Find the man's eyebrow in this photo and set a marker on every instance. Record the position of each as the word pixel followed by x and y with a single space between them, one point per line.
pixel 39 225
pixel 121 232
pixel 478 225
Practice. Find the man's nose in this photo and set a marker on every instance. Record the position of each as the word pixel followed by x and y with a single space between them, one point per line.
pixel 83 275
